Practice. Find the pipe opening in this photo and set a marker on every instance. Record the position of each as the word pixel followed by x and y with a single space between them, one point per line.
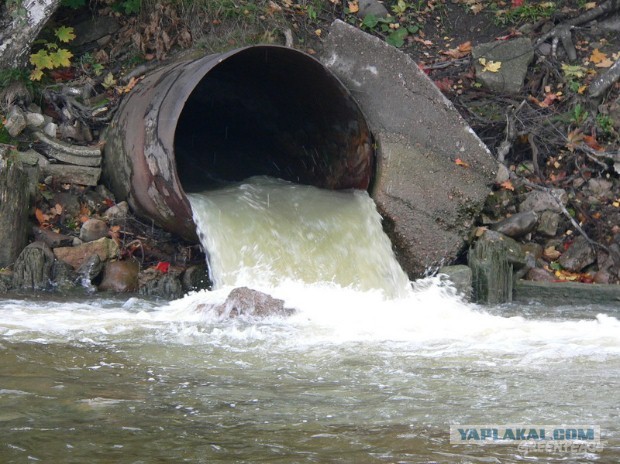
pixel 274 111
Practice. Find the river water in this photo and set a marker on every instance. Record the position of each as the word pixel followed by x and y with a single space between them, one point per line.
pixel 364 371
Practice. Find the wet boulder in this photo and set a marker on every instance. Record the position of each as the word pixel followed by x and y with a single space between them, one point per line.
pixel 120 276
pixel 76 256
pixel 33 268
pixel 163 285
pixel 244 301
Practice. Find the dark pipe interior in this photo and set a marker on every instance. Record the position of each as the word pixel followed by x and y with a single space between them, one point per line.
pixel 270 111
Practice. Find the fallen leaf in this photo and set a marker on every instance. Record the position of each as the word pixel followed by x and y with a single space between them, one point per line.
pixel 459 52
pixel 517 3
pixel 589 5
pixel 490 66
pixel 41 217
pixel 476 8
pixel 597 56
pixel 480 231
pixel 606 63
pixel 507 185
pixel 460 162
pixel 592 142
pixel 354 7
pixel 426 43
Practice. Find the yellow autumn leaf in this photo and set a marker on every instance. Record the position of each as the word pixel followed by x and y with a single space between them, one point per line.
pixel 606 63
pixel 597 56
pixel 490 66
pixel 589 5
pixel 354 6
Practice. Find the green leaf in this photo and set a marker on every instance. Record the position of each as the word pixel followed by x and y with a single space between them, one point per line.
pixel 555 266
pixel 573 70
pixel 370 21
pixel 41 60
pixel 397 38
pixel 61 58
pixel 65 34
pixel 132 6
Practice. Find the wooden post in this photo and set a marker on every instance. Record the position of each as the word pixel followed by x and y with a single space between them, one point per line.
pixel 491 271
pixel 14 205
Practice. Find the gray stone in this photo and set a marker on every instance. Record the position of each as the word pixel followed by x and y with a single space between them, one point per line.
pixel 538 274
pixel 15 121
pixel 539 200
pixel 579 255
pixel 548 223
pixel 14 206
pixel 427 200
pixel 119 211
pixel 64 278
pixel 89 270
pixel 460 278
pixel 66 173
pixel 50 129
pixel 517 225
pixel 33 268
pixel 600 188
pixel 93 29
pixel 196 277
pixel 6 280
pixel 51 238
pixel 372 7
pixel 93 229
pixel 34 119
pixel 155 283
pixel 503 174
pixel 514 55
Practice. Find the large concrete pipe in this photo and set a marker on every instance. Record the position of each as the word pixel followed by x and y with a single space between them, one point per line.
pixel 260 110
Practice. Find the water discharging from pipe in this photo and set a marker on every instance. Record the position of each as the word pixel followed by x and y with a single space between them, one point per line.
pixel 265 231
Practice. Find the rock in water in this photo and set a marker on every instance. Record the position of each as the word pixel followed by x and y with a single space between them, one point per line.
pixel 244 301
pixel 120 276
pixel 33 268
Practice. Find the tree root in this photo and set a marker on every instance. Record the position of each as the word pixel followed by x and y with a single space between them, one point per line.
pixel 562 32
pixel 602 83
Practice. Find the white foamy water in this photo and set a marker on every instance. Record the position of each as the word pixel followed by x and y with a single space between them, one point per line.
pixel 429 321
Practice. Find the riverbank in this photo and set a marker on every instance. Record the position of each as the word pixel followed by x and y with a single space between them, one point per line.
pixel 557 192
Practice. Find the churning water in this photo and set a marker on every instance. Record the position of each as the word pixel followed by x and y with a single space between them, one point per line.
pixel 364 371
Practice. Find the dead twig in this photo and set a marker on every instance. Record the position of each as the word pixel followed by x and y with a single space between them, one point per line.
pixel 562 32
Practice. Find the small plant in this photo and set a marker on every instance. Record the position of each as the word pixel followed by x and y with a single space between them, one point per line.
pixel 525 13
pixel 395 33
pixel 51 55
pixel 605 123
pixel 579 115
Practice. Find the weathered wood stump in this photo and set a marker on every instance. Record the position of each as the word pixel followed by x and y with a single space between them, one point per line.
pixel 492 260
pixel 14 204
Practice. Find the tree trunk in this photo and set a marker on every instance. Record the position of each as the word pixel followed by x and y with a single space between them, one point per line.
pixel 20 25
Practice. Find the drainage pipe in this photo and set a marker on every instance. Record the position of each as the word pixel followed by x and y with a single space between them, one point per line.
pixel 262 110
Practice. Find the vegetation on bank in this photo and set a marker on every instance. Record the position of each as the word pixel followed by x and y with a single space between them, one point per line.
pixel 554 134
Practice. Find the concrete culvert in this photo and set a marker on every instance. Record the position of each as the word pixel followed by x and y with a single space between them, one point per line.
pixel 261 110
